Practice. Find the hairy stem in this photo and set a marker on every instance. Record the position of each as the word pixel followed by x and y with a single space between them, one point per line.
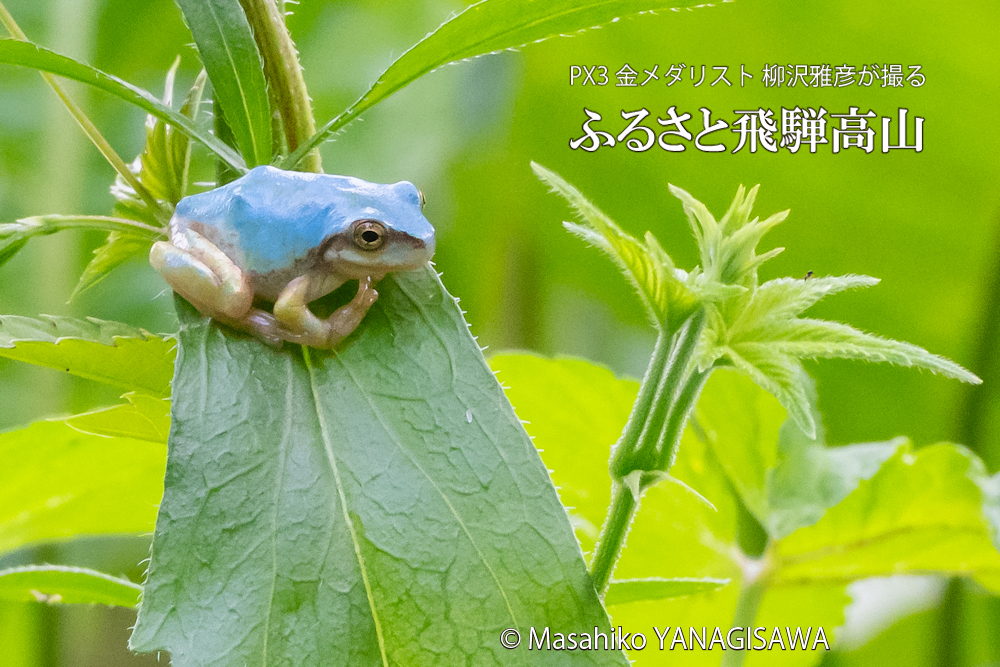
pixel 609 546
pixel 680 412
pixel 669 391
pixel 643 450
pixel 648 396
pixel 284 76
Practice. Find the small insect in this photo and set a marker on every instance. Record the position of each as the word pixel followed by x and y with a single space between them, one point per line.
pixel 808 275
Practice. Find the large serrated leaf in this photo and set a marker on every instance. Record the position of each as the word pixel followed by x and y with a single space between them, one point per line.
pixel 230 56
pixel 377 504
pixel 486 27
pixel 27 54
pixel 92 484
pixel 108 352
pixel 67 585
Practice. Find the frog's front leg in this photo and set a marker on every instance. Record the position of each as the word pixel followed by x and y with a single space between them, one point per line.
pixel 200 272
pixel 293 314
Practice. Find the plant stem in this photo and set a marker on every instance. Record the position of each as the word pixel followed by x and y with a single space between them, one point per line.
pixel 609 545
pixel 644 402
pixel 284 76
pixel 643 438
pixel 680 411
pixel 684 384
pixel 755 580
pixel 669 391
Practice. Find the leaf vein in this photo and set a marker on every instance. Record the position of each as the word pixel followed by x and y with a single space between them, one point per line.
pixel 282 462
pixel 328 446
pixel 434 485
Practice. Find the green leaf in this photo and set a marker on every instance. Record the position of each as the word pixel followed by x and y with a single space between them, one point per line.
pixel 27 54
pixel 13 235
pixel 162 166
pixel 647 266
pixel 142 418
pixel 117 250
pixel 729 246
pixel 839 514
pixel 573 424
pixel 820 339
pixel 810 478
pixel 757 328
pixel 487 26
pixel 781 375
pixel 68 585
pixel 675 535
pixel 57 483
pixel 740 423
pixel 376 504
pixel 626 591
pixel 108 352
pixel 178 143
pixel 836 515
pixel 230 56
pixel 11 242
pixel 921 512
pixel 783 298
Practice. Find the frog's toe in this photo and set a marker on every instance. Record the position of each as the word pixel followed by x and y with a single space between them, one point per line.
pixel 263 326
pixel 367 294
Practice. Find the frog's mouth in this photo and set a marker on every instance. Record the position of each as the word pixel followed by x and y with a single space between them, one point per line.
pixel 400 252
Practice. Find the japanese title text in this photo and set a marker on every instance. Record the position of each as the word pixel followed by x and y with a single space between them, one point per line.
pixel 754 129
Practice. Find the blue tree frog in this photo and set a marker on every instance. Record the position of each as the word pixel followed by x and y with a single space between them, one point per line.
pixel 289 238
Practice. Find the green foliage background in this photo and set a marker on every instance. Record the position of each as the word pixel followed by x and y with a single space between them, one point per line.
pixel 927 224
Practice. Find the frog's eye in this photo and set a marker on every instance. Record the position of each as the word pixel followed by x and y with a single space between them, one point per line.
pixel 423 200
pixel 369 234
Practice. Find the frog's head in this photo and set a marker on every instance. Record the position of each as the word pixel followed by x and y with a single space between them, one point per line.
pixel 382 229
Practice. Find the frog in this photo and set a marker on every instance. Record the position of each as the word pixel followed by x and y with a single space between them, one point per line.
pixel 288 238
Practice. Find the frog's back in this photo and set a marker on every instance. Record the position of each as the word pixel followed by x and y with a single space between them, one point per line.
pixel 270 220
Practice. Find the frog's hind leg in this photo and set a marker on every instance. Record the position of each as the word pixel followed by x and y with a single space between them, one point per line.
pixel 204 275
pixel 201 273
pixel 292 312
pixel 197 270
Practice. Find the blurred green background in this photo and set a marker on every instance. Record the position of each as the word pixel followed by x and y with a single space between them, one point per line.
pixel 927 224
